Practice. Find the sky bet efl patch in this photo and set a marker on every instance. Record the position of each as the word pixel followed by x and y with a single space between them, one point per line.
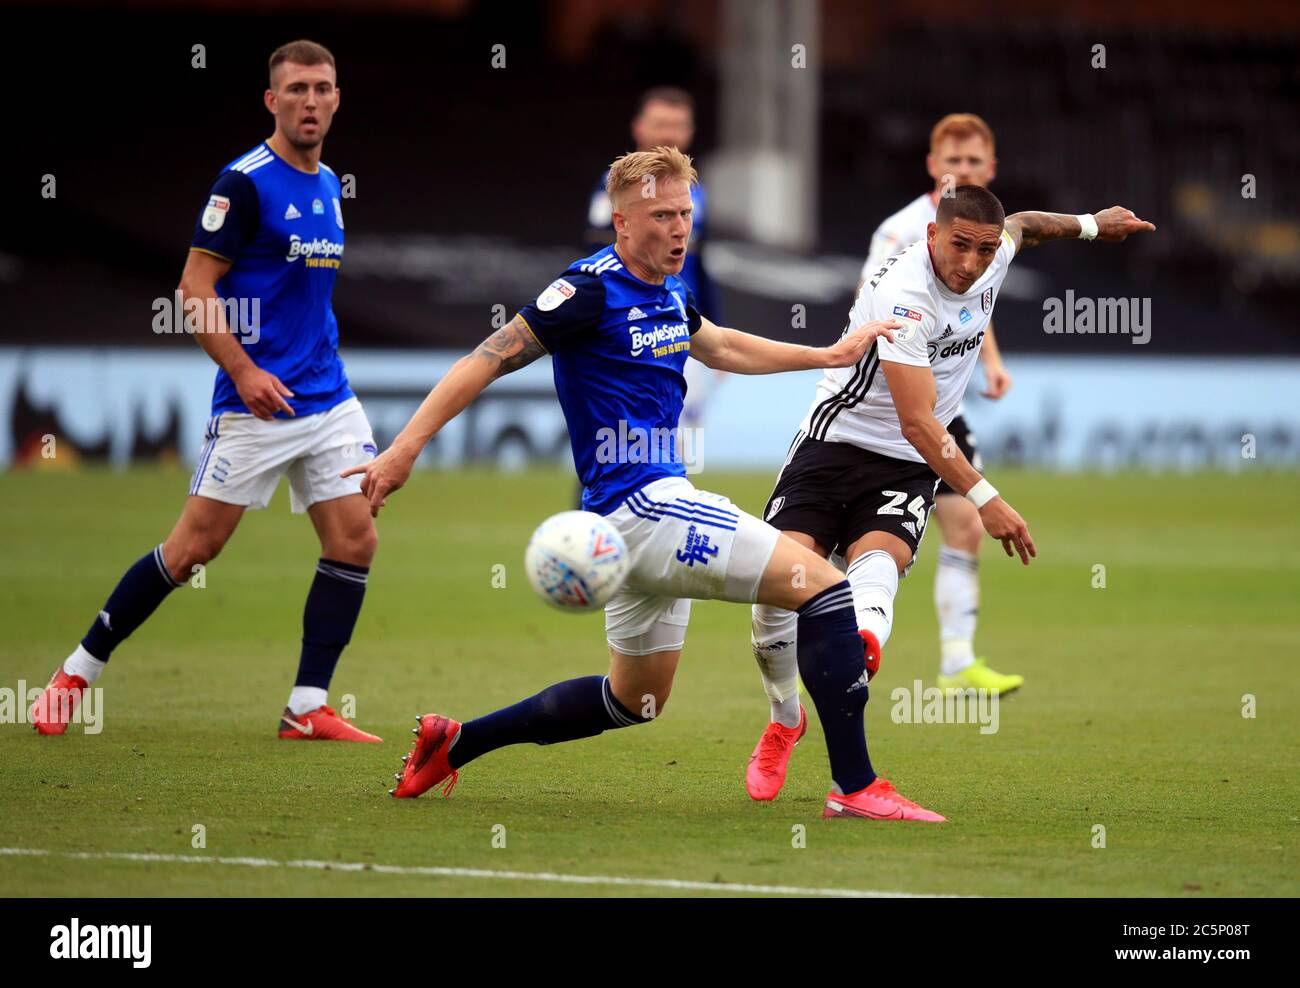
pixel 905 332
pixel 214 216
pixel 556 294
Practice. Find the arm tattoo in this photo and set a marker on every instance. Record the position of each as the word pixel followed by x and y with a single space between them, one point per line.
pixel 511 347
pixel 1031 229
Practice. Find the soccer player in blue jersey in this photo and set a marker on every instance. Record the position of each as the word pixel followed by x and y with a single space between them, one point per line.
pixel 619 325
pixel 270 236
pixel 665 117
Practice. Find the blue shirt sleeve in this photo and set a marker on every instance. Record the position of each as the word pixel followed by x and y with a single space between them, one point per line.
pixel 567 312
pixel 229 220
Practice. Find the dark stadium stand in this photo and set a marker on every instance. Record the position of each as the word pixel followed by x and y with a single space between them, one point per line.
pixel 470 194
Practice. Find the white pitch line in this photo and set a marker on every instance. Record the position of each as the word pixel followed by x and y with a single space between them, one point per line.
pixel 442 872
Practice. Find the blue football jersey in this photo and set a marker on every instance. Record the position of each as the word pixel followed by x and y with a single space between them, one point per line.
pixel 618 346
pixel 282 229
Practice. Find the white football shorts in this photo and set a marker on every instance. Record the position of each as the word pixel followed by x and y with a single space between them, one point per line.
pixel 244 457
pixel 684 544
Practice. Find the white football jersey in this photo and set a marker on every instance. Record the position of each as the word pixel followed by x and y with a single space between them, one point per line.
pixel 903 229
pixel 941 330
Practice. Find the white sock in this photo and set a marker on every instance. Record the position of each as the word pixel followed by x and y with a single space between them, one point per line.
pixel 874 579
pixel 773 636
pixel 82 663
pixel 304 699
pixel 957 602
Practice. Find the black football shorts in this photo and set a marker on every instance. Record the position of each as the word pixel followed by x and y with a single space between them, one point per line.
pixel 837 492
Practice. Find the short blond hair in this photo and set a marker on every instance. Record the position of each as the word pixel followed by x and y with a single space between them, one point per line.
pixel 630 171
pixel 961 126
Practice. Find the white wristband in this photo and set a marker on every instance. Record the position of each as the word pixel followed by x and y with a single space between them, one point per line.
pixel 982 493
pixel 1088 222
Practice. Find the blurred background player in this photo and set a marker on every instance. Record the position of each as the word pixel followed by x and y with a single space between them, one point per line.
pixel 665 117
pixel 271 234
pixel 962 152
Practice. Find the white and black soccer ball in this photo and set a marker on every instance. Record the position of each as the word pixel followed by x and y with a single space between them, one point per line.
pixel 576 561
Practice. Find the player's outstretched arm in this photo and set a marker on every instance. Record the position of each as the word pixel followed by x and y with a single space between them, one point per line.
pixel 743 353
pixel 261 391
pixel 508 349
pixel 1029 229
pixel 913 391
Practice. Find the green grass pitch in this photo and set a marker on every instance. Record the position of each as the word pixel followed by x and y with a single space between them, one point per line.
pixel 1131 717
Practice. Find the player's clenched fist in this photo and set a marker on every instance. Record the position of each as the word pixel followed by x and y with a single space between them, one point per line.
pixel 1004 523
pixel 849 350
pixel 384 474
pixel 1116 223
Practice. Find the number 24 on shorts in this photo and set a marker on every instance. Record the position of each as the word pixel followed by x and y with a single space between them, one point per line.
pixel 917 507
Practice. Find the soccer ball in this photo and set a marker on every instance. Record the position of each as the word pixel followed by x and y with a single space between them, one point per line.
pixel 576 561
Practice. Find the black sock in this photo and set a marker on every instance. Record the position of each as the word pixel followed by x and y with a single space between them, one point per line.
pixel 834 672
pixel 576 708
pixel 136 596
pixel 328 618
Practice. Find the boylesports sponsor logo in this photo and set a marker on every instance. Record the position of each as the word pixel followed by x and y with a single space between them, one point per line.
pixel 660 340
pixel 957 349
pixel 316 253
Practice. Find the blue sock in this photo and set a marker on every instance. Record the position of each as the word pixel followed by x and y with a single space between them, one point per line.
pixel 136 596
pixel 333 604
pixel 834 672
pixel 576 708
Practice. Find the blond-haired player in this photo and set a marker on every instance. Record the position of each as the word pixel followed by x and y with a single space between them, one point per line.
pixel 619 326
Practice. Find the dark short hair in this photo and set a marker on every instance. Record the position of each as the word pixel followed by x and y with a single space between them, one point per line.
pixel 671 95
pixel 301 53
pixel 970 202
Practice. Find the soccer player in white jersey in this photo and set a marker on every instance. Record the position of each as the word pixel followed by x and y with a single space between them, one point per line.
pixel 861 474
pixel 962 152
